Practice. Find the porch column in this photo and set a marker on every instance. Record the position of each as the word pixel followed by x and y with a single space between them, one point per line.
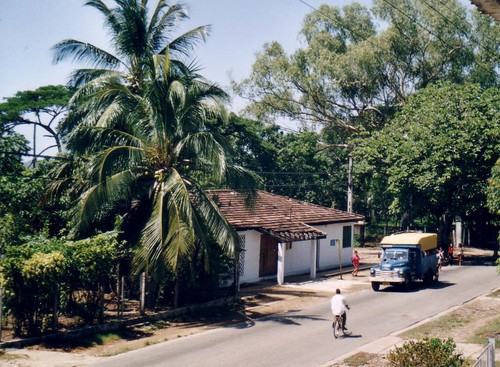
pixel 281 262
pixel 312 268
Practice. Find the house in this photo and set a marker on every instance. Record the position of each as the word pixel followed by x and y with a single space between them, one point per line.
pixel 282 236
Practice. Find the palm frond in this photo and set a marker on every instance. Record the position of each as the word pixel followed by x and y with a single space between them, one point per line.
pixel 168 235
pixel 111 21
pixel 182 45
pixel 115 187
pixel 218 228
pixel 81 77
pixel 242 179
pixel 84 52
pixel 206 153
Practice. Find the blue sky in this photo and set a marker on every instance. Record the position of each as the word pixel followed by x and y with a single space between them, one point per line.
pixel 29 28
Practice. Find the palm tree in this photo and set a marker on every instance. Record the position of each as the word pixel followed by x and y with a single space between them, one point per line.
pixel 142 135
pixel 135 37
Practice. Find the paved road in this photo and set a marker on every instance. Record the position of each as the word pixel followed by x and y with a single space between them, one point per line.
pixel 304 338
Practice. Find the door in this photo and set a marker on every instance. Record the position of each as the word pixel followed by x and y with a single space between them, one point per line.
pixel 268 255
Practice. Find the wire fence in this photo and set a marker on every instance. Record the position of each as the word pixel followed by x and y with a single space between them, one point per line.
pixel 487 356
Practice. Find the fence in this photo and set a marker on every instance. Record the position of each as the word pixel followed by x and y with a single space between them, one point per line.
pixel 487 356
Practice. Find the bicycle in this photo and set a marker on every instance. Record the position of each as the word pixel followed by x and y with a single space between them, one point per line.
pixel 338 326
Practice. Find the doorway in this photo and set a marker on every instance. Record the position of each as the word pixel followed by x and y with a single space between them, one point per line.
pixel 268 255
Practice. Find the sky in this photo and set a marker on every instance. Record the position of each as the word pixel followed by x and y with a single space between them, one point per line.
pixel 240 28
pixel 29 28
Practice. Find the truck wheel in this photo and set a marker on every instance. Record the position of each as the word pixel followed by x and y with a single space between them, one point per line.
pixel 428 278
pixel 375 286
pixel 407 284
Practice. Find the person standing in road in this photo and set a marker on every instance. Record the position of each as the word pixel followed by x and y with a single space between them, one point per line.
pixel 450 254
pixel 460 254
pixel 339 307
pixel 355 263
pixel 440 256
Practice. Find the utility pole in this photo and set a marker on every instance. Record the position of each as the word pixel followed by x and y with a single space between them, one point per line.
pixel 349 185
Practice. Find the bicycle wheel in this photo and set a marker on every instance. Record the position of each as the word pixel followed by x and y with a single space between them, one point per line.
pixel 337 327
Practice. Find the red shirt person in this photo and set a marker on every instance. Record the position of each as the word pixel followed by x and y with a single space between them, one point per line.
pixel 355 263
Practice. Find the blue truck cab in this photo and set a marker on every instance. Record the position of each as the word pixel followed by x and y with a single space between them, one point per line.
pixel 406 258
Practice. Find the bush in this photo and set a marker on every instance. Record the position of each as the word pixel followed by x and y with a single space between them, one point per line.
pixel 90 264
pixel 429 352
pixel 45 276
pixel 31 281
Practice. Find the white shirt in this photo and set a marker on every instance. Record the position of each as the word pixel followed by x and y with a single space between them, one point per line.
pixel 339 304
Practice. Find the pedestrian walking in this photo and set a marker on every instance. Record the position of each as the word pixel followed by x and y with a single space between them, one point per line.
pixel 355 262
pixel 440 256
pixel 460 254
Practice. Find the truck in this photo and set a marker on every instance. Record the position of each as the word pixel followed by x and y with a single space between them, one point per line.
pixel 406 258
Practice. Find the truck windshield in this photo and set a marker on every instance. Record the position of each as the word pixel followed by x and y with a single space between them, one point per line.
pixel 393 254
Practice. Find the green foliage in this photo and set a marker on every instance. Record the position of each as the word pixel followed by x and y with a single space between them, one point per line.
pixel 435 157
pixel 142 128
pixel 352 77
pixel 43 274
pixel 21 218
pixel 90 264
pixel 31 281
pixel 43 107
pixel 429 352
pixel 493 190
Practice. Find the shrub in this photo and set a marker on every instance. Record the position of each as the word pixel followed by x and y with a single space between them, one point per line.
pixel 31 281
pixel 90 264
pixel 429 352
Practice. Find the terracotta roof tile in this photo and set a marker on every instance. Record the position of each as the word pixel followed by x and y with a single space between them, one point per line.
pixel 280 216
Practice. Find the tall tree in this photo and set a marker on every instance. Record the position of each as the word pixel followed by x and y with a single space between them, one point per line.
pixel 352 76
pixel 42 108
pixel 437 154
pixel 144 136
pixel 136 36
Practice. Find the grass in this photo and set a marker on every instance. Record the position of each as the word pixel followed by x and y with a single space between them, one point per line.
pixel 93 340
pixel 359 359
pixel 436 328
pixel 11 356
pixel 481 335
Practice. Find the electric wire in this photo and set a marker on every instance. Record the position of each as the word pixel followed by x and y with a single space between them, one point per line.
pixel 405 36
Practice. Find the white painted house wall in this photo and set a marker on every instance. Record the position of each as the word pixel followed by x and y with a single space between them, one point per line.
pixel 297 258
pixel 251 257
pixel 328 255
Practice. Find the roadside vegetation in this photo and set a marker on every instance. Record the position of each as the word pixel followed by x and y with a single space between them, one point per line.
pixel 141 135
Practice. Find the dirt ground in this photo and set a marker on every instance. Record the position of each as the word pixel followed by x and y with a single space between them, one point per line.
pixel 258 301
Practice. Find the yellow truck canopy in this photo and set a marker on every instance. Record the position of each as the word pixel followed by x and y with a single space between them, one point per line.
pixel 427 241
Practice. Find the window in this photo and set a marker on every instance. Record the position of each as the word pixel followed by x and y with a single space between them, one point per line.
pixel 347 236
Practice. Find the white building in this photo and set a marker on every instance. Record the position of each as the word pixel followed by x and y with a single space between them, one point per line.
pixel 282 236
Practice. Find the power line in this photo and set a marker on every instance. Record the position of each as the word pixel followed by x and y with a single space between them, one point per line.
pixel 430 31
pixel 404 14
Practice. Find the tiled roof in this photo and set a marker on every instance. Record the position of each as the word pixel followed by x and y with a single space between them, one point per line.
pixel 280 216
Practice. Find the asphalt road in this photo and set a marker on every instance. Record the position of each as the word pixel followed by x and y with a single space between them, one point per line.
pixel 304 337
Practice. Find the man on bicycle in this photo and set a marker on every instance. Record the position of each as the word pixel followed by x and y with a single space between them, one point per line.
pixel 340 307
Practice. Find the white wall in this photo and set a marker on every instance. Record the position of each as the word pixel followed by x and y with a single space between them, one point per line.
pixel 329 255
pixel 297 259
pixel 252 257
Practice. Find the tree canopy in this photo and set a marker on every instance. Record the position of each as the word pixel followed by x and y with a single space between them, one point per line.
pixel 436 155
pixel 353 75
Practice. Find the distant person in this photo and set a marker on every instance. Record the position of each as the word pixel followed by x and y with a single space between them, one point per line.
pixel 460 254
pixel 355 263
pixel 440 256
pixel 450 254
pixel 339 307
